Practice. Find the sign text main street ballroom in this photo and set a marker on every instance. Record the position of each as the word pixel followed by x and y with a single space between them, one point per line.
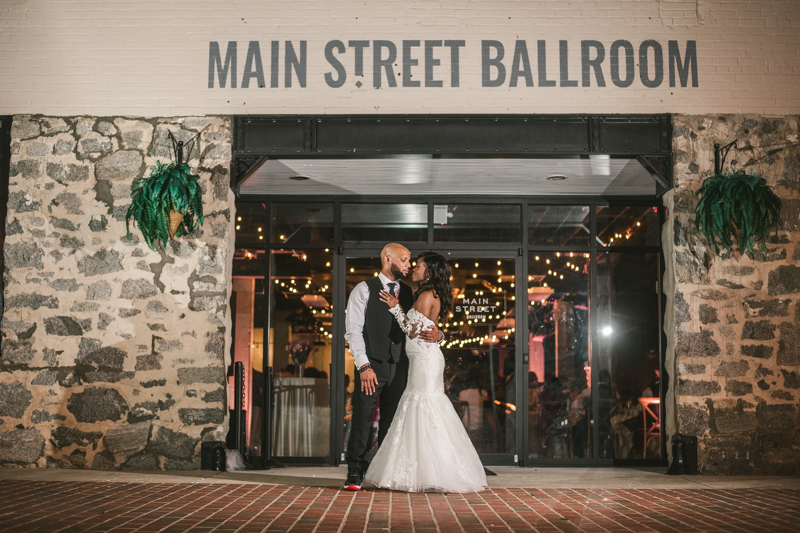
pixel 437 63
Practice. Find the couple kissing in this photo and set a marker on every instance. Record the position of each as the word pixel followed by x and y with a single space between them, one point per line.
pixel 422 444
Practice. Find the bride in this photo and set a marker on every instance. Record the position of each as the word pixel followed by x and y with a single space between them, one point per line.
pixel 427 447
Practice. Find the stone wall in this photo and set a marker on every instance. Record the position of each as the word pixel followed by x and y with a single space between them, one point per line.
pixel 733 321
pixel 113 355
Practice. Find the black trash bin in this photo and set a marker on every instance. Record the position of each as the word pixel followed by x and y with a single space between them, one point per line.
pixel 213 456
pixel 684 456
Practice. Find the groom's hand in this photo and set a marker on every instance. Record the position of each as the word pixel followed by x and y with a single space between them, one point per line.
pixel 368 381
pixel 432 334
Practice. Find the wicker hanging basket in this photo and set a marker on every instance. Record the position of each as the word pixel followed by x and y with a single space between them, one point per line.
pixel 175 220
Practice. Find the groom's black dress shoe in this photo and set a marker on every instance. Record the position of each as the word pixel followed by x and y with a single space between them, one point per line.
pixel 353 482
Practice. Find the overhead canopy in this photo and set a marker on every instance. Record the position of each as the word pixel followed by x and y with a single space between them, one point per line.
pixel 432 176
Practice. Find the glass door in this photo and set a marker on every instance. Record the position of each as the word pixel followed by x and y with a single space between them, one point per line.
pixel 480 354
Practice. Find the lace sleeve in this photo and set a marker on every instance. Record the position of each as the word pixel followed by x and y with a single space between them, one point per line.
pixel 409 327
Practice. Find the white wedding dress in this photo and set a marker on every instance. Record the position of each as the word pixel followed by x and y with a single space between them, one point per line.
pixel 426 447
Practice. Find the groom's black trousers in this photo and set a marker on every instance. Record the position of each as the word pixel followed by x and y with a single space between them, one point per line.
pixel 392 380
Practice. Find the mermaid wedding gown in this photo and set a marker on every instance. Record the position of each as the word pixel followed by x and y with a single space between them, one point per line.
pixel 426 447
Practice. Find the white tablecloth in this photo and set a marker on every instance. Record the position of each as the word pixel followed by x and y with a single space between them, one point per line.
pixel 301 426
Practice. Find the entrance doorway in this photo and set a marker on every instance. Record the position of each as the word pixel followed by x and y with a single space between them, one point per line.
pixel 479 350
pixel 554 348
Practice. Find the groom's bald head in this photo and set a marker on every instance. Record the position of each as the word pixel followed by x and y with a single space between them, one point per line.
pixel 395 261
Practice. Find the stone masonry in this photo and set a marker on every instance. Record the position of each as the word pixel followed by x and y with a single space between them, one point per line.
pixel 733 321
pixel 108 347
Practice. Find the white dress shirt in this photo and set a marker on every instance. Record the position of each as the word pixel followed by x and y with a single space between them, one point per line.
pixel 355 318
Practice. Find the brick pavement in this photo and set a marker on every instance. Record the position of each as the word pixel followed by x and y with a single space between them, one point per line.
pixel 27 506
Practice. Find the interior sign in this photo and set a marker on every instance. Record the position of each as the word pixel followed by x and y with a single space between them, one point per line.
pixel 437 63
pixel 474 308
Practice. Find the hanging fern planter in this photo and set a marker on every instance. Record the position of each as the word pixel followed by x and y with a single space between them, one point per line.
pixel 166 204
pixel 737 203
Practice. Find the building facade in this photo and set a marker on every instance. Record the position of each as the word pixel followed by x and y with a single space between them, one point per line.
pixel 118 356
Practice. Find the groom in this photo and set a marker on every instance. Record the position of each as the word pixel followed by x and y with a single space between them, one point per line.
pixel 378 347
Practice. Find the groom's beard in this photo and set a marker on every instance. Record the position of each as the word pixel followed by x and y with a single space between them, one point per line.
pixel 397 273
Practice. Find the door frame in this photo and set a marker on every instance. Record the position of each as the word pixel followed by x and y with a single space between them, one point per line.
pixel 464 250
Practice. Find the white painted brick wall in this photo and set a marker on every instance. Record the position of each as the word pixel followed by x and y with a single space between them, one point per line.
pixel 111 57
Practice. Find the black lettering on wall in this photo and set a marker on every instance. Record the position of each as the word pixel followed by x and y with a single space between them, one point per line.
pixel 379 63
pixel 542 61
pixel 454 61
pixel 293 63
pixel 430 62
pixel 596 64
pixel 521 66
pixel 253 67
pixel 689 62
pixel 273 79
pixel 629 71
pixel 563 58
pixel 215 63
pixel 487 62
pixel 409 62
pixel 341 73
pixel 644 64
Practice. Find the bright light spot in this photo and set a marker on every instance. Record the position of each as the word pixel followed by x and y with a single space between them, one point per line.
pixel 474 275
pixel 456 265
pixel 239 219
pixel 260 237
pixel 352 270
pixel 328 264
pixel 607 331
pixel 281 237
pixel 259 230
pixel 537 257
pixel 375 274
pixel 547 261
pixel 238 226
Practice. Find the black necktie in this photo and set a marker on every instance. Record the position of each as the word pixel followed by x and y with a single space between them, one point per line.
pixel 392 287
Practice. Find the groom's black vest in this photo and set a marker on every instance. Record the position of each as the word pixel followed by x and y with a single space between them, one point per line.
pixel 382 334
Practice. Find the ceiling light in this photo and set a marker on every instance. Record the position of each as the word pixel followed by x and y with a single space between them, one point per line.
pixel 557 177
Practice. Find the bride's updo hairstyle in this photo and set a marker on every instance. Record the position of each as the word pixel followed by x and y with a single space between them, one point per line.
pixel 438 281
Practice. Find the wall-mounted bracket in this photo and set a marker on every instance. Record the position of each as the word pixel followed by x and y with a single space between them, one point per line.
pixel 720 154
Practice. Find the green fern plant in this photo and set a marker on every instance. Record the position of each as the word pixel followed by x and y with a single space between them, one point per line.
pixel 166 204
pixel 737 202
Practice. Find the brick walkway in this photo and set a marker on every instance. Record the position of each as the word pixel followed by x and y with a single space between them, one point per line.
pixel 27 506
